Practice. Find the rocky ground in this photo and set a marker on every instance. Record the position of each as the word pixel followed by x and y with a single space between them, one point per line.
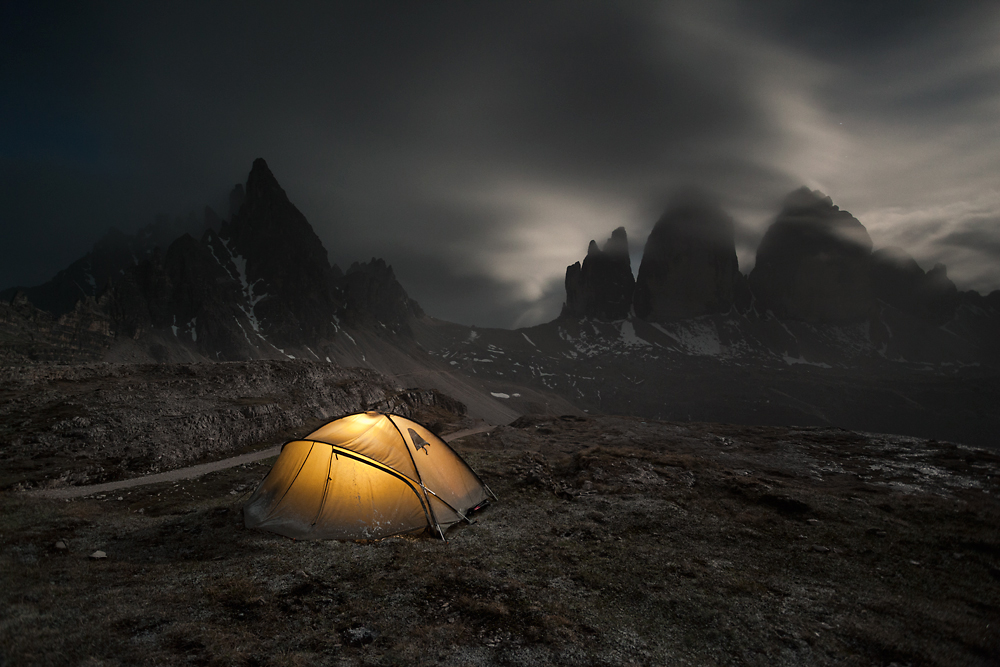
pixel 92 423
pixel 633 367
pixel 615 541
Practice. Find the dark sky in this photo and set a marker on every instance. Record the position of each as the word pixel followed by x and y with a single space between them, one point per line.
pixel 479 146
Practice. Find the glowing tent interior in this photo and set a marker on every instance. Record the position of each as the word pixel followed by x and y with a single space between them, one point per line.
pixel 365 476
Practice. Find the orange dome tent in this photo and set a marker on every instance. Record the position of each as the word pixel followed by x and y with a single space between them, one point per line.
pixel 365 476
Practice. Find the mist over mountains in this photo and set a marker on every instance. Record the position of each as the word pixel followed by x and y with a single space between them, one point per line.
pixel 690 337
pixel 814 264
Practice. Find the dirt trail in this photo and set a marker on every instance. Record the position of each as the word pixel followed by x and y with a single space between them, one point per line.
pixel 198 470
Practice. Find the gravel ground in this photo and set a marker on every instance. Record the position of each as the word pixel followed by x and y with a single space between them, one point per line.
pixel 66 425
pixel 616 541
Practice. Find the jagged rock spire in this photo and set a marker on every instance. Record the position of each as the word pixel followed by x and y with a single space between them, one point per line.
pixel 602 286
pixel 813 262
pixel 689 265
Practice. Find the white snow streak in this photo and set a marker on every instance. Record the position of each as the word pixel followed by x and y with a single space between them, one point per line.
pixel 629 337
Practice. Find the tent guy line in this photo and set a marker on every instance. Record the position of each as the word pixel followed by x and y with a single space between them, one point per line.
pixel 197 470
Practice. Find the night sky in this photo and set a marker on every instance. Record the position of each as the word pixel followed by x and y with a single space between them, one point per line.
pixel 479 146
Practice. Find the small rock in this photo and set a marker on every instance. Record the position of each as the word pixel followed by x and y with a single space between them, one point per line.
pixel 360 636
pixel 98 555
pixel 820 549
pixel 61 546
pixel 812 522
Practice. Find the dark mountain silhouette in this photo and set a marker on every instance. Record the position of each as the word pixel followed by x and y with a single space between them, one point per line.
pixel 258 285
pixel 824 332
pixel 373 295
pixel 107 260
pixel 602 286
pixel 898 280
pixel 813 263
pixel 689 265
pixel 292 290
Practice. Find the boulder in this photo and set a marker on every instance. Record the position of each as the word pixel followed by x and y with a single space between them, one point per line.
pixel 813 263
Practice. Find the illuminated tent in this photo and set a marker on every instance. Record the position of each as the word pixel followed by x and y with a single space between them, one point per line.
pixel 365 476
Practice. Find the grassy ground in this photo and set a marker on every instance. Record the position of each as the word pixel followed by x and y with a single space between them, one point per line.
pixel 615 542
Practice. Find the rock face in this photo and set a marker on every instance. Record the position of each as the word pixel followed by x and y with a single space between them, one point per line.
pixel 30 335
pixel 602 286
pixel 813 263
pixel 111 256
pixel 689 266
pixel 373 293
pixel 898 280
pixel 281 263
pixel 226 408
pixel 244 288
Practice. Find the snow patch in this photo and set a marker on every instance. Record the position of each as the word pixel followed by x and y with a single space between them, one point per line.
pixel 697 337
pixel 528 339
pixel 629 337
pixel 240 263
pixel 496 394
pixel 800 360
pixel 240 324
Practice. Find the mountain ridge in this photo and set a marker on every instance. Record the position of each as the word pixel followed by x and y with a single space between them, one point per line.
pixel 828 319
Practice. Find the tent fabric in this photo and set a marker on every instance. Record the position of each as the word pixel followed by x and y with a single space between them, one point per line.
pixel 365 476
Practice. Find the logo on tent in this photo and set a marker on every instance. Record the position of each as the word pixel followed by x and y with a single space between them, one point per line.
pixel 418 442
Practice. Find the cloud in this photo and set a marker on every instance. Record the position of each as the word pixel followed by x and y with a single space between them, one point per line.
pixel 478 147
pixel 963 235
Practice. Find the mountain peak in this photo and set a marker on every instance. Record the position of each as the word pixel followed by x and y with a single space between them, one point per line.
pixel 813 262
pixel 602 286
pixel 804 198
pixel 261 184
pixel 689 266
pixel 617 245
